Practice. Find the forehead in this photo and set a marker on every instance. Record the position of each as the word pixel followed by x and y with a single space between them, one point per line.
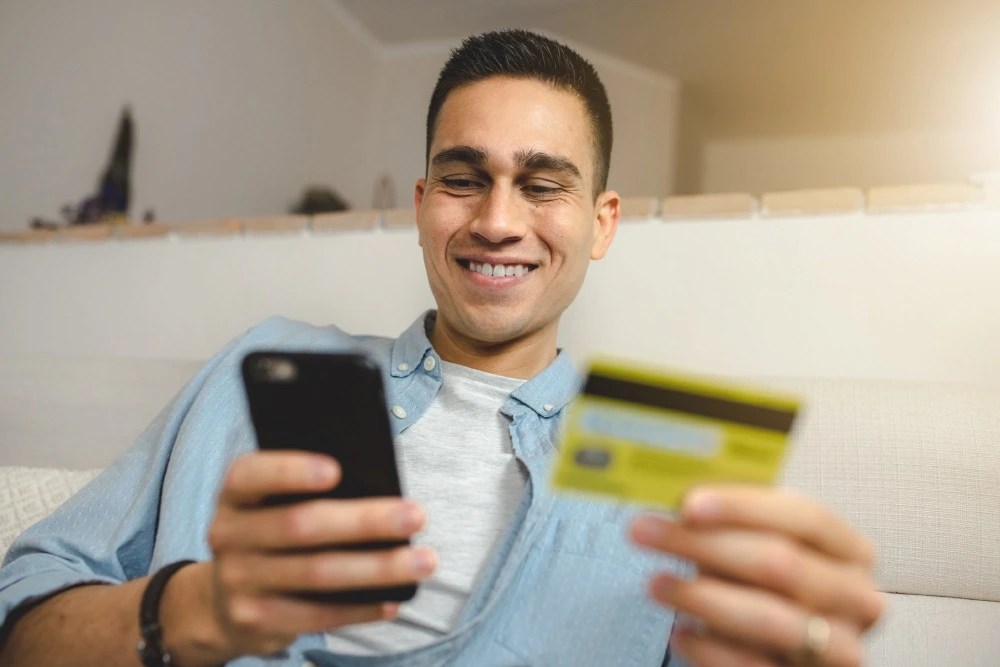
pixel 506 115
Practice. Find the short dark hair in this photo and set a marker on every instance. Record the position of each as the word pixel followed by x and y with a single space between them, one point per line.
pixel 527 55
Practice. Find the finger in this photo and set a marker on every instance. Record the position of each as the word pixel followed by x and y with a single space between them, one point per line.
pixel 327 571
pixel 316 523
pixel 253 477
pixel 754 618
pixel 769 561
pixel 272 622
pixel 777 510
pixel 711 651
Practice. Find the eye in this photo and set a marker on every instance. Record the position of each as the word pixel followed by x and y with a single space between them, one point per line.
pixel 460 183
pixel 537 190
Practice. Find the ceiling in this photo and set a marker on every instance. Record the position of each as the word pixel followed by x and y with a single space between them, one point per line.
pixel 757 68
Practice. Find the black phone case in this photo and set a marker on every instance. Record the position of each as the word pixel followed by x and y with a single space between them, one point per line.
pixel 333 404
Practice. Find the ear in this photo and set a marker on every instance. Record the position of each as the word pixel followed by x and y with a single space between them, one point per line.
pixel 418 198
pixel 418 192
pixel 607 213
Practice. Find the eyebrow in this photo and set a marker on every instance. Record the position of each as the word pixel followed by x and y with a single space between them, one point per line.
pixel 470 155
pixel 539 160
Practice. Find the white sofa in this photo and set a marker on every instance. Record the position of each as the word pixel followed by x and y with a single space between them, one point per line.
pixel 915 465
pixel 913 460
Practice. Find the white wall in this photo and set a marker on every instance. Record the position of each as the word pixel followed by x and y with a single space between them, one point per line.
pixel 645 108
pixel 890 296
pixel 788 163
pixel 238 104
pixel 409 75
pixel 184 298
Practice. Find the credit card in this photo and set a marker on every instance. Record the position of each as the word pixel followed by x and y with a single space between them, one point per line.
pixel 646 436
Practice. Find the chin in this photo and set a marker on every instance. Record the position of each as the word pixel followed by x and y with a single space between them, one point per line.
pixel 494 327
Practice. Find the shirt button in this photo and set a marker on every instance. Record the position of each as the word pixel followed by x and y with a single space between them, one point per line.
pixel 548 407
pixel 429 364
pixel 399 411
pixel 403 367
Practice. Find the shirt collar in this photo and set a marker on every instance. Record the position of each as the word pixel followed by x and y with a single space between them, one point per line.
pixel 413 346
pixel 547 393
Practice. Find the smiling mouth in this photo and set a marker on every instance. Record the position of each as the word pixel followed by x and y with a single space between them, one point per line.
pixel 498 270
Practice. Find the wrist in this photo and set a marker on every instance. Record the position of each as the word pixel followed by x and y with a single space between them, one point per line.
pixel 191 631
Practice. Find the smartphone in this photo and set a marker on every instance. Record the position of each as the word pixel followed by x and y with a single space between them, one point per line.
pixel 333 404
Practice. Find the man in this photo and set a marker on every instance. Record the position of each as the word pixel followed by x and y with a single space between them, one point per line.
pixel 512 209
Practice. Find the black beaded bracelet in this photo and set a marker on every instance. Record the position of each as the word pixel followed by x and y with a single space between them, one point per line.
pixel 152 652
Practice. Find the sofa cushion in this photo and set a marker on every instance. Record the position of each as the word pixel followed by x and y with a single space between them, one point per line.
pixel 922 630
pixel 30 494
pixel 916 466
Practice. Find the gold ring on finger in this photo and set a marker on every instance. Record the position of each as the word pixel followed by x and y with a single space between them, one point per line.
pixel 817 640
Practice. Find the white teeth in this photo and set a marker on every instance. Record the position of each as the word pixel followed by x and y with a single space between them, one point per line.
pixel 499 270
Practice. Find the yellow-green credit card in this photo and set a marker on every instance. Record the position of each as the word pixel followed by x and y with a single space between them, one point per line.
pixel 646 436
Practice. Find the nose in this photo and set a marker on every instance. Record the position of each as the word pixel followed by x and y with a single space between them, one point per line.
pixel 498 219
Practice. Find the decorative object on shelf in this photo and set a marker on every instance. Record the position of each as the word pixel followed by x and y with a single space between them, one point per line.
pixel 384 192
pixel 110 203
pixel 114 191
pixel 319 199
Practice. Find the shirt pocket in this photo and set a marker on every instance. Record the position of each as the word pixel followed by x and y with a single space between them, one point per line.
pixel 580 599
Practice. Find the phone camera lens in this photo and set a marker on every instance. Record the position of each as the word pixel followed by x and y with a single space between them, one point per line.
pixel 277 369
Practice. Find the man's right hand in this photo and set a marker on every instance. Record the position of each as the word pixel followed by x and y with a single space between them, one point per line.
pixel 265 554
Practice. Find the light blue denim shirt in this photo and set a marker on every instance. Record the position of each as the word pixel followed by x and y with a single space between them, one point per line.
pixel 565 586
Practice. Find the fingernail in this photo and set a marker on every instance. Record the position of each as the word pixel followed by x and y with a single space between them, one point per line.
pixel 423 562
pixel 701 505
pixel 409 518
pixel 390 610
pixel 648 530
pixel 323 470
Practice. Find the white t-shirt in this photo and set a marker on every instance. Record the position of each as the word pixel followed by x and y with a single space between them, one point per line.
pixel 457 461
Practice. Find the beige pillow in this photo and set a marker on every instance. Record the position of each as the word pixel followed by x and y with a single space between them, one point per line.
pixel 916 466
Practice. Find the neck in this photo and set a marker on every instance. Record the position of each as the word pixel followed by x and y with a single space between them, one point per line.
pixel 523 358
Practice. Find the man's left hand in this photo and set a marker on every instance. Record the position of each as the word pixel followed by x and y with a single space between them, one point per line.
pixel 780 579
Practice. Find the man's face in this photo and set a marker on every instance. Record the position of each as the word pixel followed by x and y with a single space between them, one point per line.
pixel 509 190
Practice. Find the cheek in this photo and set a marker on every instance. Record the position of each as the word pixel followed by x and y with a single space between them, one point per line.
pixel 444 217
pixel 434 237
pixel 570 243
